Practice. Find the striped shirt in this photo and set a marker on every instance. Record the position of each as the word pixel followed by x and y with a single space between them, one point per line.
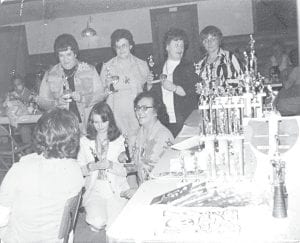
pixel 225 66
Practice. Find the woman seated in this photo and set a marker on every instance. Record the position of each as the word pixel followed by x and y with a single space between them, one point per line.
pixel 105 176
pixel 287 101
pixel 34 191
pixel 152 140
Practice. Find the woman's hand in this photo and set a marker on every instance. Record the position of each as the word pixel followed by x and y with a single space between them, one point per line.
pixel 122 157
pixel 168 85
pixel 128 193
pixel 76 96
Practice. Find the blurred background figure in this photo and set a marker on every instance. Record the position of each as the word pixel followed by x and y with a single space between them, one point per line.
pixel 279 63
pixel 124 76
pixel 287 101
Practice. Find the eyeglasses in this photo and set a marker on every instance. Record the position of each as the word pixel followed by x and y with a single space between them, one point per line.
pixel 210 40
pixel 142 108
pixel 123 46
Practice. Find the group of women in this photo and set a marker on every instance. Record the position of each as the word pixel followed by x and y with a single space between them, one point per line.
pixel 124 106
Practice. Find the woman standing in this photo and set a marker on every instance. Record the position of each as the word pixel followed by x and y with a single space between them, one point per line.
pixel 70 84
pixel 217 64
pixel 177 87
pixel 105 176
pixel 124 76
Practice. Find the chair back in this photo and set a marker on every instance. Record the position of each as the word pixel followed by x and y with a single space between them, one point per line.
pixel 69 217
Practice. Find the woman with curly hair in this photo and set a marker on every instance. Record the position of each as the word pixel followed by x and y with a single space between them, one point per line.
pixel 105 176
pixel 34 191
pixel 176 88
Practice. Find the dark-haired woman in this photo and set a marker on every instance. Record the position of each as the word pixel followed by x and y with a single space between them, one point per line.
pixel 124 75
pixel 177 89
pixel 105 176
pixel 70 84
pixel 34 191
pixel 152 140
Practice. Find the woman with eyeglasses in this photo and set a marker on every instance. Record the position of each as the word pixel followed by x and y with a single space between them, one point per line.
pixel 152 140
pixel 176 88
pixel 217 64
pixel 105 176
pixel 124 76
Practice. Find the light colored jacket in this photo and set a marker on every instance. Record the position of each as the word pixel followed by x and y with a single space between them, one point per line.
pixel 86 81
pixel 115 176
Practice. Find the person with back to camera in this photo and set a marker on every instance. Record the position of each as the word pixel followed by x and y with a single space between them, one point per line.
pixel 105 176
pixel 287 102
pixel 217 64
pixel 70 84
pixel 177 80
pixel 152 140
pixel 125 76
pixel 34 191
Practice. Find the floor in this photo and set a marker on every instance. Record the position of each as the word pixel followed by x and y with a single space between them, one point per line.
pixel 83 234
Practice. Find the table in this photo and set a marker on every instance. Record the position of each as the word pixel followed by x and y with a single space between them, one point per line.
pixel 25 119
pixel 139 222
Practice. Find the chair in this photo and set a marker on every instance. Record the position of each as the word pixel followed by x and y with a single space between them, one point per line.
pixel 9 148
pixel 69 218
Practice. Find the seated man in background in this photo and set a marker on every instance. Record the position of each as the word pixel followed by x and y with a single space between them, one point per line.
pixel 34 191
pixel 287 101
pixel 20 97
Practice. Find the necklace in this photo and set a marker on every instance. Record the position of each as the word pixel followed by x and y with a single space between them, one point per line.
pixel 68 73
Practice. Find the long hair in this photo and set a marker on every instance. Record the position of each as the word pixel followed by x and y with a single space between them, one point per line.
pixel 104 111
pixel 57 134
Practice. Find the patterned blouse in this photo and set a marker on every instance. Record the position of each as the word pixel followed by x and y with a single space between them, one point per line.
pixel 226 66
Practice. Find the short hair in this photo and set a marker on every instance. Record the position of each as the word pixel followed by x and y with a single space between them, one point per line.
pixel 210 30
pixel 57 134
pixel 157 104
pixel 65 41
pixel 294 57
pixel 175 34
pixel 104 111
pixel 121 34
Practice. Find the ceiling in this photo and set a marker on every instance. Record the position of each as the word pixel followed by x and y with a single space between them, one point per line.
pixel 50 9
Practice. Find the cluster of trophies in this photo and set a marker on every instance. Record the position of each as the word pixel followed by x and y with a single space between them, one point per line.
pixel 224 103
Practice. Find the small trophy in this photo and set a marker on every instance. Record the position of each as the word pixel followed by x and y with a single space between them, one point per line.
pixel 151 64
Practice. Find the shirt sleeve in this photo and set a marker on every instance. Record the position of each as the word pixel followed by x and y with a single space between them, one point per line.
pixel 45 99
pixel 8 191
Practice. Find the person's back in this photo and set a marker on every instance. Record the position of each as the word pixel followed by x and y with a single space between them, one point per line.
pixel 37 188
pixel 34 191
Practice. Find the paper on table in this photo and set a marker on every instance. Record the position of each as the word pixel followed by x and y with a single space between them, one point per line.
pixel 188 131
pixel 187 143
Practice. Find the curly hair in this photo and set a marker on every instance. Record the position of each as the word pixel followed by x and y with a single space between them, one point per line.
pixel 104 111
pixel 157 104
pixel 57 134
pixel 175 34
pixel 121 34
pixel 65 41
pixel 210 30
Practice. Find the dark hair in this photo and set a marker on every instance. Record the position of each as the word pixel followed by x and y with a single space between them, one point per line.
pixel 102 109
pixel 210 30
pixel 121 34
pixel 157 104
pixel 175 34
pixel 294 57
pixel 57 134
pixel 65 41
